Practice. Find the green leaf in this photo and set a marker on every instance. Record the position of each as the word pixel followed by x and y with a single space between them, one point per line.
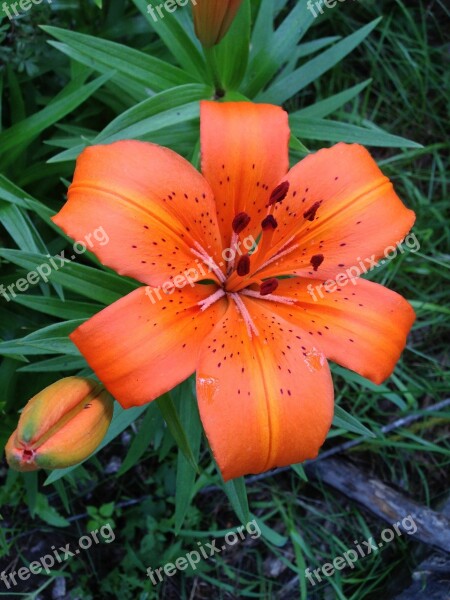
pixel 273 51
pixel 151 422
pixel 237 495
pixel 263 29
pixel 49 514
pixel 170 414
pixel 23 133
pixel 300 471
pixel 55 365
pixel 134 71
pixel 52 339
pixel 107 510
pixel 304 50
pixel 63 309
pixel 166 109
pixel 14 195
pixel 346 421
pixel 178 38
pixel 231 55
pixel 31 489
pixel 272 536
pixel 296 145
pixel 291 84
pixel 21 228
pixel 311 47
pixel 121 420
pixel 93 283
pixel 333 131
pixel 190 421
pixel 323 108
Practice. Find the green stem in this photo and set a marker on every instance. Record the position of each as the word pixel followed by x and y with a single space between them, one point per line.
pixel 211 63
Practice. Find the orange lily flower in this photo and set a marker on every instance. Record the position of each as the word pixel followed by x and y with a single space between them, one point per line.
pixel 213 19
pixel 258 343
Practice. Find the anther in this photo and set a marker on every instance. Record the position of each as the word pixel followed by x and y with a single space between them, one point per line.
pixel 268 287
pixel 240 222
pixel 269 223
pixel 279 193
pixel 310 214
pixel 243 266
pixel 316 261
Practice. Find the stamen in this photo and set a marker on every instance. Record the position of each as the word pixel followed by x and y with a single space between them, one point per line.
pixel 268 226
pixel 233 247
pixel 279 193
pixel 310 214
pixel 291 239
pixel 269 223
pixel 242 309
pixel 207 302
pixel 243 266
pixel 240 222
pixel 209 261
pixel 271 297
pixel 269 286
pixel 316 261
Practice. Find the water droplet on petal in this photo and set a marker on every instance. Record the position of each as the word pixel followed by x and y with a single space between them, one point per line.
pixel 315 360
pixel 208 386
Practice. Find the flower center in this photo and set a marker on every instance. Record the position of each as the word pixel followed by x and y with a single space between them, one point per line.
pixel 244 271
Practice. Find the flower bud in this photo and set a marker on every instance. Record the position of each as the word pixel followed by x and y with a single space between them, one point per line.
pixel 213 19
pixel 60 426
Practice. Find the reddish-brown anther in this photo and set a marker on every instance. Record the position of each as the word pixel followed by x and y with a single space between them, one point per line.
pixel 279 193
pixel 269 223
pixel 243 266
pixel 268 287
pixel 240 222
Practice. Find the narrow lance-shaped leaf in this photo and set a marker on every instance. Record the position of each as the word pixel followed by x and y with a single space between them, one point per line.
pixel 290 85
pixel 24 132
pixel 132 67
pixel 191 423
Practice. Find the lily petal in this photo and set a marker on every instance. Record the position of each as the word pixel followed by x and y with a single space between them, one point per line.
pixel 362 326
pixel 152 205
pixel 141 346
pixel 244 151
pixel 341 210
pixel 265 401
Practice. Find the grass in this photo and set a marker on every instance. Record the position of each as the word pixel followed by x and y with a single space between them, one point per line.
pixel 309 523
